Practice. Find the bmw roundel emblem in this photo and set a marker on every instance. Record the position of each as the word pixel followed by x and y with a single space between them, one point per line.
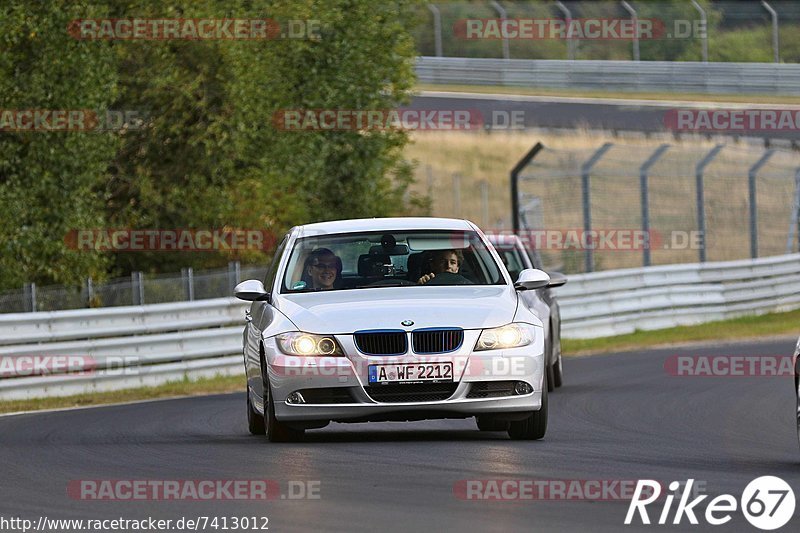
pixel 407 322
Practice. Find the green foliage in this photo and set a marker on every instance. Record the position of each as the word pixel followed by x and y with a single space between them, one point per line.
pixel 46 177
pixel 209 155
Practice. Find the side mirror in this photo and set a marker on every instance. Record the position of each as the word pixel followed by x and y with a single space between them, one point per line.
pixel 530 279
pixel 251 290
pixel 557 279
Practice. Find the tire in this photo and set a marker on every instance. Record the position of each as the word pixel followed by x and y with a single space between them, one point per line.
pixel 255 421
pixel 275 430
pixel 489 423
pixel 535 426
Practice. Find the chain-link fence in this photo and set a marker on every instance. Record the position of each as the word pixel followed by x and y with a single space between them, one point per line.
pixel 616 205
pixel 138 289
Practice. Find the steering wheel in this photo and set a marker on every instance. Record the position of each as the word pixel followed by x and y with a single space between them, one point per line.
pixel 448 278
pixel 391 282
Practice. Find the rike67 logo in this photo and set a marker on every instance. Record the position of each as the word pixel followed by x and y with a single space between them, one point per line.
pixel 767 503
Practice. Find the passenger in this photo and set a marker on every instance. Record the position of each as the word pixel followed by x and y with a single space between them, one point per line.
pixel 441 261
pixel 322 270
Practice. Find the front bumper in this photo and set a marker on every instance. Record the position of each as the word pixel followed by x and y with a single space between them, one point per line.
pixel 337 388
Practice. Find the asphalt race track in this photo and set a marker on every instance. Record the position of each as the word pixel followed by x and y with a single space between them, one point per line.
pixel 646 116
pixel 618 417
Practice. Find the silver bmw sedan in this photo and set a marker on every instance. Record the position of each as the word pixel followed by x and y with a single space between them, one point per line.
pixel 392 319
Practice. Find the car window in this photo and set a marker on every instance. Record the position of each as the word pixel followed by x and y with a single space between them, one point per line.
pixel 379 259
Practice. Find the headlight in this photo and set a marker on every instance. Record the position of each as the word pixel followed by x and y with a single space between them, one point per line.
pixel 509 336
pixel 298 343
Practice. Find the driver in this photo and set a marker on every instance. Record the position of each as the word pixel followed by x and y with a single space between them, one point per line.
pixel 322 270
pixel 442 261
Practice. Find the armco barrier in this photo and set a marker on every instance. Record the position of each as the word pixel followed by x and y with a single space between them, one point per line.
pixel 614 76
pixel 152 344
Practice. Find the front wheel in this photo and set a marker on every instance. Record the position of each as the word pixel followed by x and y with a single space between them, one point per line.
pixel 276 431
pixel 535 426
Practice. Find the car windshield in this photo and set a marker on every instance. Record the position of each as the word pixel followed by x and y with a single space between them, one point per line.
pixel 384 259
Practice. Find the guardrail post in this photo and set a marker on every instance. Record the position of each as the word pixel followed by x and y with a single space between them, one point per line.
pixel 635 19
pixel 29 294
pixel 137 288
pixel 503 16
pixel 701 202
pixel 751 181
pixel 187 275
pixel 437 29
pixel 521 164
pixel 587 203
pixel 645 199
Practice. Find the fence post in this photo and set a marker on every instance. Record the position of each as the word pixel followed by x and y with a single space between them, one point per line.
pixel 514 177
pixel 704 19
pixel 457 195
pixel 751 181
pixel 645 199
pixel 234 274
pixel 89 291
pixel 29 294
pixel 701 202
pixel 187 275
pixel 775 40
pixel 503 15
pixel 586 168
pixel 635 20
pixel 437 29
pixel 137 288
pixel 571 42
pixel 794 223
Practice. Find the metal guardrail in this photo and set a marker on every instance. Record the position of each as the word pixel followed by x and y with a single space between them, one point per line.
pixel 616 302
pixel 148 345
pixel 614 76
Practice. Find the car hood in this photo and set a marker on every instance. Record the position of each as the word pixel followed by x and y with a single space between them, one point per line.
pixel 348 311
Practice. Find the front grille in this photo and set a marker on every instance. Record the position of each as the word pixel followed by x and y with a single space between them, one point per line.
pixel 381 342
pixel 491 389
pixel 426 392
pixel 437 340
pixel 327 395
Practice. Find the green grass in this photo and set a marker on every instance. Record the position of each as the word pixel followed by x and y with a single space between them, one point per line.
pixel 683 97
pixel 215 385
pixel 750 327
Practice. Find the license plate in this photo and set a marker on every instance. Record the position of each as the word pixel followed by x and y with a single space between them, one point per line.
pixel 411 373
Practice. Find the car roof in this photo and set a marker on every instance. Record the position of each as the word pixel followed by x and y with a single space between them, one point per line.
pixel 385 224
